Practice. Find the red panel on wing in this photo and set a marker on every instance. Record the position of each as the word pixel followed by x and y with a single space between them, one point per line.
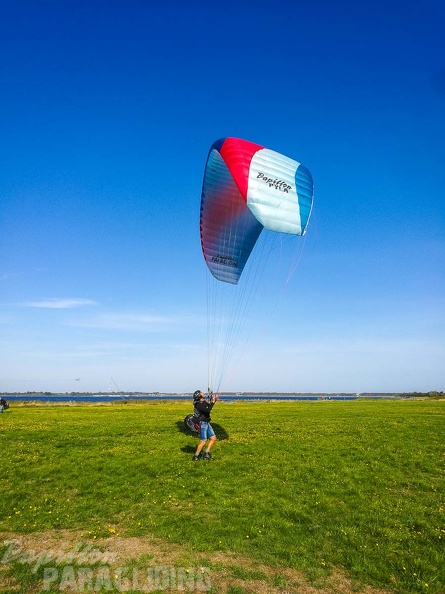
pixel 238 155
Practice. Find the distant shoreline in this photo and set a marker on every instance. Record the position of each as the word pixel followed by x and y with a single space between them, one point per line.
pixel 188 394
pixel 228 397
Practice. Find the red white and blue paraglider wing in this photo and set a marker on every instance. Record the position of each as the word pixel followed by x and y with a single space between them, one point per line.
pixel 247 188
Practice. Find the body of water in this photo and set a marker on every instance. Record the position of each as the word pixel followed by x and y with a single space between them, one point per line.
pixel 99 398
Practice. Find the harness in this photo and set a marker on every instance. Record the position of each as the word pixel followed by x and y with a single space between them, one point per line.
pixel 193 421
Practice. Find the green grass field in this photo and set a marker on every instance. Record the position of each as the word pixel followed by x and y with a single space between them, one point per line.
pixel 300 496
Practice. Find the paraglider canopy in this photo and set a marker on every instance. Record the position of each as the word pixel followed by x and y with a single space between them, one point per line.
pixel 247 188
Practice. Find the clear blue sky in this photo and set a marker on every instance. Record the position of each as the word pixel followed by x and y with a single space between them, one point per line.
pixel 108 111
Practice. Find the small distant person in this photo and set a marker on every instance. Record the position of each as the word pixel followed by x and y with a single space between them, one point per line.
pixel 203 408
pixel 3 405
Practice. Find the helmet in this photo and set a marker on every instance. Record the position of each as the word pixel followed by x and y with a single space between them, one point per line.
pixel 197 395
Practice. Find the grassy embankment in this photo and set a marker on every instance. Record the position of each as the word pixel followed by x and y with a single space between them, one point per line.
pixel 326 494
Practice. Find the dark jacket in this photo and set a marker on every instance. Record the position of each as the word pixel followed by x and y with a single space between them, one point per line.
pixel 203 408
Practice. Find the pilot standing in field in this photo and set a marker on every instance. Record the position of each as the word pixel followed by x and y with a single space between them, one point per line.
pixel 203 408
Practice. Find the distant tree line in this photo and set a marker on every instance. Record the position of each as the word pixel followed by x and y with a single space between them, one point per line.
pixel 432 394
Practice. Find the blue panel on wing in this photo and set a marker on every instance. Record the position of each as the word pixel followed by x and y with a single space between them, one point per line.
pixel 228 229
pixel 305 191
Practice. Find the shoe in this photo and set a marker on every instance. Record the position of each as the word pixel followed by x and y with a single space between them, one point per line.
pixel 207 456
pixel 195 458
